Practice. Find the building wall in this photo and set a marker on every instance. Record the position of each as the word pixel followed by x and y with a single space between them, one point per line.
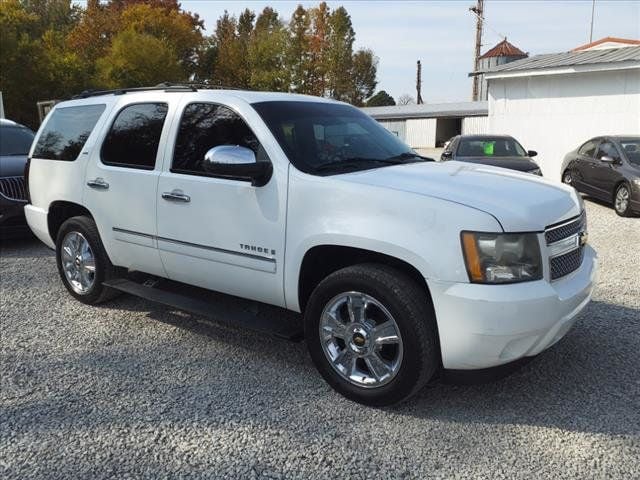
pixel 475 125
pixel 421 132
pixel 553 114
pixel 397 127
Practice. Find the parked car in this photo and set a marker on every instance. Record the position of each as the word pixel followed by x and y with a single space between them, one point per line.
pixel 497 150
pixel 401 266
pixel 15 141
pixel 607 168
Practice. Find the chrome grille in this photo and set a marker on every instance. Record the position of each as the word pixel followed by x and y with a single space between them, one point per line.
pixel 13 188
pixel 560 232
pixel 566 262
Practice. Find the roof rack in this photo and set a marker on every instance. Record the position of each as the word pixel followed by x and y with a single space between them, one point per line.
pixel 166 86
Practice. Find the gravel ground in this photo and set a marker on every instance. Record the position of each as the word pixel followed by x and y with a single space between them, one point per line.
pixel 132 390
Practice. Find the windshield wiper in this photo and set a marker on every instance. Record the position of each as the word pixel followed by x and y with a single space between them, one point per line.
pixel 409 155
pixel 355 162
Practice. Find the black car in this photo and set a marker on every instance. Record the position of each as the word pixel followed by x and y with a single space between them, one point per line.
pixel 607 168
pixel 496 150
pixel 15 141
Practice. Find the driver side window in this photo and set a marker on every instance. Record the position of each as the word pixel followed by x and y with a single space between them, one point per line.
pixel 207 125
pixel 607 149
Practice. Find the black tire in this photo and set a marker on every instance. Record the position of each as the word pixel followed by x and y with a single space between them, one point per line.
pixel 104 269
pixel 567 178
pixel 413 312
pixel 626 211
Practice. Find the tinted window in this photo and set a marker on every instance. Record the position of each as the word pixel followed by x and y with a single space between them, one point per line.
pixel 589 148
pixel 607 149
pixel 316 135
pixel 490 147
pixel 207 125
pixel 134 136
pixel 66 131
pixel 632 150
pixel 15 140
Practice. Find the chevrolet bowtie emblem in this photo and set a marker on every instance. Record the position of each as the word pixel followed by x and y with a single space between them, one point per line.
pixel 584 238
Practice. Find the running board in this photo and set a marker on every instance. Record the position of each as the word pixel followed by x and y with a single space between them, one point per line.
pixel 223 309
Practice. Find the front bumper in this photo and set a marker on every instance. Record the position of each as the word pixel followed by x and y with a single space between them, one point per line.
pixel 484 326
pixel 12 221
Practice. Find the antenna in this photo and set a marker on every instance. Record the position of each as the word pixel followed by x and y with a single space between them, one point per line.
pixel 593 8
pixel 419 84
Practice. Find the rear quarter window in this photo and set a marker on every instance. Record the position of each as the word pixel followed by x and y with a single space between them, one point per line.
pixel 66 132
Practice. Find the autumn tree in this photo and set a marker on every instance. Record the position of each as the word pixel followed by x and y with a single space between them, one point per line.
pixel 298 55
pixel 340 54
pixel 318 47
pixel 267 53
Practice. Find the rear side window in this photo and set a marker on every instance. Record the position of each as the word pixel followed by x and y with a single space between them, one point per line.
pixel 66 132
pixel 589 148
pixel 207 125
pixel 132 140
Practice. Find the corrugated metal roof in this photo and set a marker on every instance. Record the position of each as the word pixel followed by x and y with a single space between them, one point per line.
pixel 504 49
pixel 429 110
pixel 569 59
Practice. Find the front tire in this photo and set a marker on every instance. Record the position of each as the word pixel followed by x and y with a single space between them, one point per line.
pixel 371 333
pixel 622 200
pixel 82 261
pixel 567 178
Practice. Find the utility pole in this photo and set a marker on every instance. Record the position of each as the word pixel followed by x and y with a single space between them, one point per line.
pixel 478 11
pixel 593 8
pixel 419 84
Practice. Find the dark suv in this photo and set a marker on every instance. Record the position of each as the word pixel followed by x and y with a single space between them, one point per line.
pixel 15 141
pixel 607 168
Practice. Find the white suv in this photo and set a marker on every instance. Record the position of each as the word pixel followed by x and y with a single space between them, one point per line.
pixel 401 266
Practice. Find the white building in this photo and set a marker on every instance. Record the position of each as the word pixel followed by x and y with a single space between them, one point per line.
pixel 553 103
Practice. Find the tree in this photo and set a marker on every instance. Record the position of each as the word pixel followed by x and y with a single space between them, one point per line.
pixel 229 63
pixel 340 54
pixel 138 59
pixel 363 76
pixel 318 47
pixel 298 55
pixel 267 53
pixel 405 99
pixel 381 99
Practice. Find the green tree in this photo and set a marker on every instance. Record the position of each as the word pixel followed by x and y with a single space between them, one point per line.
pixel 363 76
pixel 229 62
pixel 138 59
pixel 267 53
pixel 381 99
pixel 340 54
pixel 298 55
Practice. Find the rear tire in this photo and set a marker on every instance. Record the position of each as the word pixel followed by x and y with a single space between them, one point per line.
pixel 622 200
pixel 407 345
pixel 82 262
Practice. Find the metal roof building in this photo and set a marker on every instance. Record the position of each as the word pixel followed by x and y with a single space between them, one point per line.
pixel 553 103
pixel 430 125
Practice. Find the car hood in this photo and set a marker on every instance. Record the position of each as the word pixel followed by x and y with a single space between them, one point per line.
pixel 12 165
pixel 522 164
pixel 520 202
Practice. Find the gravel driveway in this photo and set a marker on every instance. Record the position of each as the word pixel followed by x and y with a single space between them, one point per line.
pixel 132 390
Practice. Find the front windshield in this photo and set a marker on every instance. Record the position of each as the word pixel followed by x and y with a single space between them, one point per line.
pixel 15 140
pixel 490 147
pixel 631 149
pixel 325 138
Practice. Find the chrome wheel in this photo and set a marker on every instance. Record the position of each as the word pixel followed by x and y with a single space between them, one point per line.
pixel 622 199
pixel 78 262
pixel 567 178
pixel 361 339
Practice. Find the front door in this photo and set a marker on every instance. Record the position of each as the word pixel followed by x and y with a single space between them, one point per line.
pixel 219 233
pixel 121 183
pixel 606 175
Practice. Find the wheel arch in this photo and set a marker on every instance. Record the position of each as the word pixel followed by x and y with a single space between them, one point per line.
pixel 60 211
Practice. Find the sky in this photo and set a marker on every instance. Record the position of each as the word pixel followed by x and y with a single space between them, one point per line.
pixel 442 33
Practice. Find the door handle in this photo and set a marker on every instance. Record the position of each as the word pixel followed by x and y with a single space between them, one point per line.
pixel 176 196
pixel 98 183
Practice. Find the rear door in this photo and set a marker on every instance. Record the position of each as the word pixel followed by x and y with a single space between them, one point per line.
pixel 121 182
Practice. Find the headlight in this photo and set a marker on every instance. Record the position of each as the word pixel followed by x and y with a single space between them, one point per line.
pixel 502 257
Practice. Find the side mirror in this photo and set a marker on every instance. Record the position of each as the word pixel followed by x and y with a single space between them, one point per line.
pixel 607 159
pixel 532 153
pixel 236 162
pixel 446 155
